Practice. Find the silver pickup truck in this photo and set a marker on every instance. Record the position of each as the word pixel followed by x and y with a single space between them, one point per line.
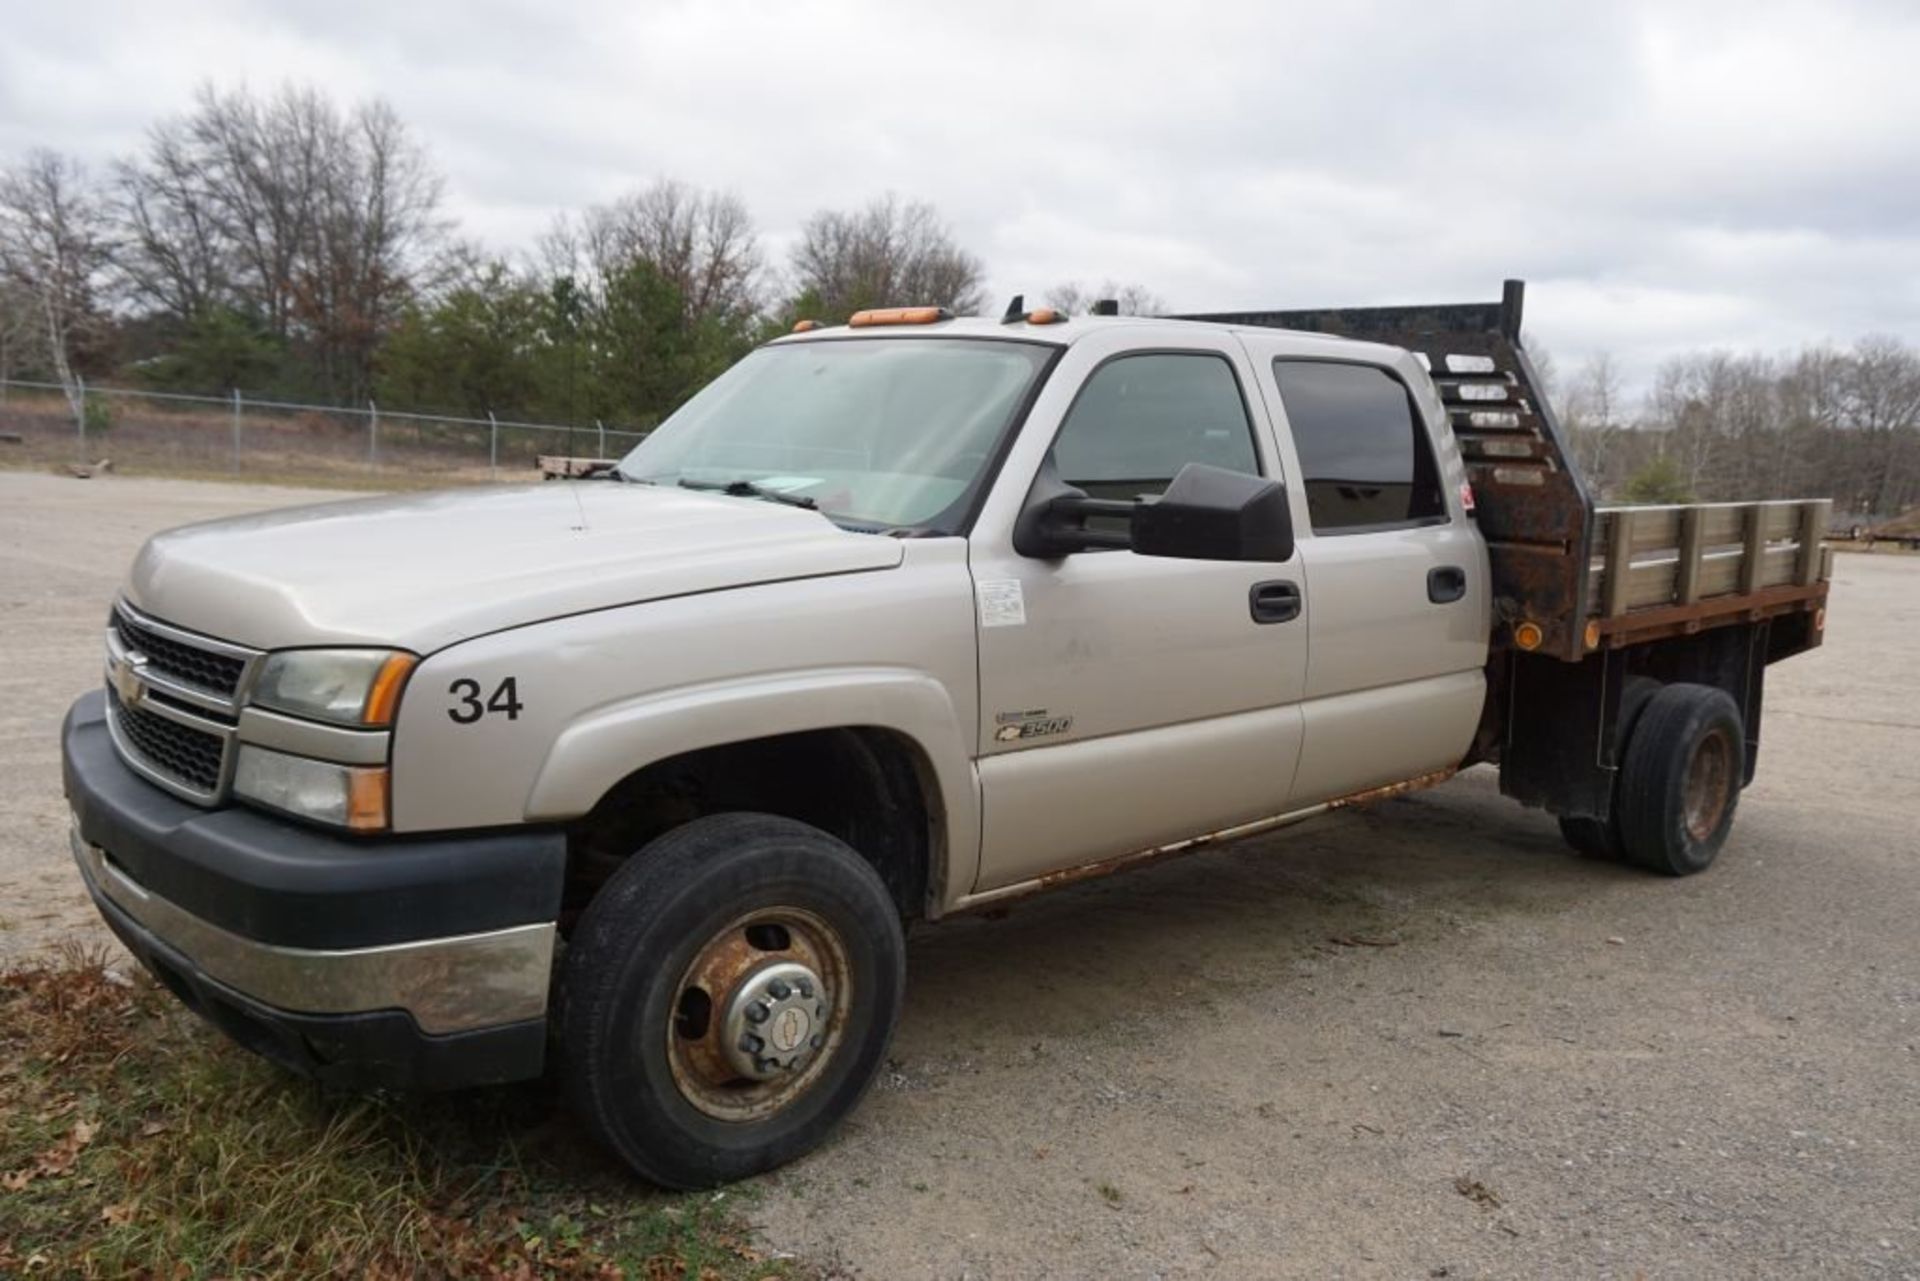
pixel 644 776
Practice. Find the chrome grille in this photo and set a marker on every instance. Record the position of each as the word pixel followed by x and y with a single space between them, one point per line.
pixel 173 701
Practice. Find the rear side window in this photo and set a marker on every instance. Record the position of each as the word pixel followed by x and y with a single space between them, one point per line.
pixel 1364 457
pixel 1140 419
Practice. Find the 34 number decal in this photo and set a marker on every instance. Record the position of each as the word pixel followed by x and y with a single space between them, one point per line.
pixel 505 698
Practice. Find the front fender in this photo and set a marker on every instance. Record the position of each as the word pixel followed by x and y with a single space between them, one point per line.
pixel 595 752
pixel 536 723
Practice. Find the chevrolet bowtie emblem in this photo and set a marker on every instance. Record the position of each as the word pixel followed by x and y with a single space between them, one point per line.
pixel 128 681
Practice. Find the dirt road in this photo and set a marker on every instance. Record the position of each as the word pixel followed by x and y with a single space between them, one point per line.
pixel 1419 1041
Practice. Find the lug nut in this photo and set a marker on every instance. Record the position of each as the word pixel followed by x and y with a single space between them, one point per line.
pixel 815 1042
pixel 751 1044
pixel 805 987
pixel 820 1011
pixel 779 990
pixel 758 1012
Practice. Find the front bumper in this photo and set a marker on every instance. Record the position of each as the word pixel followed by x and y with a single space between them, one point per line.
pixel 407 963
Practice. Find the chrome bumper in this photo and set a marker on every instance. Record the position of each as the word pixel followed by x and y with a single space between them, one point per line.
pixel 447 985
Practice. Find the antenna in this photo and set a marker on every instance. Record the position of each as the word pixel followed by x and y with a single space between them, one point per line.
pixel 1016 310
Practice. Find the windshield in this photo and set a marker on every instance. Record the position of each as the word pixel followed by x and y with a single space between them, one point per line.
pixel 875 431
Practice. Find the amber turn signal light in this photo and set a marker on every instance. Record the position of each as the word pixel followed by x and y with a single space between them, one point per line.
pixel 383 699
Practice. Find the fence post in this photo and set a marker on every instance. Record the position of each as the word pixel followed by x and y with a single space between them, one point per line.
pixel 80 413
pixel 373 435
pixel 236 431
pixel 493 445
pixel 603 438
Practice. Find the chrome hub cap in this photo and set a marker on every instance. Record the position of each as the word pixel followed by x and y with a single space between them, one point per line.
pixel 775 1021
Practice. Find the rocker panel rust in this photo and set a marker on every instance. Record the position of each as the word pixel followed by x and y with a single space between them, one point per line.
pixel 1194 845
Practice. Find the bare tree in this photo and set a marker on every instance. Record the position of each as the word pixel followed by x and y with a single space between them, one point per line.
pixel 53 249
pixel 1075 298
pixel 170 245
pixel 702 243
pixel 1880 398
pixel 888 253
pixel 376 232
pixel 1594 411
pixel 265 165
pixel 19 325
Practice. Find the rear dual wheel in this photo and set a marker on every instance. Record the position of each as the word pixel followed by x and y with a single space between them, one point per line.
pixel 1679 783
pixel 728 997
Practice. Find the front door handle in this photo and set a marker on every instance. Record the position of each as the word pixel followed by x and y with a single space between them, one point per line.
pixel 1446 584
pixel 1277 601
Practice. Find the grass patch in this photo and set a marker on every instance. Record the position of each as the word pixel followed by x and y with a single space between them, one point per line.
pixel 134 1141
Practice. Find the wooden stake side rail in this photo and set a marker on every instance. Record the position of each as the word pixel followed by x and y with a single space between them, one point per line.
pixel 1672 569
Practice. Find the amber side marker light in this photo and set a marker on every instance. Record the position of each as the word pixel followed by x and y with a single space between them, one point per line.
pixel 1820 619
pixel 383 700
pixel 367 794
pixel 1593 634
pixel 898 316
pixel 1528 636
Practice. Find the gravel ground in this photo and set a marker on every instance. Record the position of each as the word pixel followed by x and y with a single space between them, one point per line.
pixel 1418 1041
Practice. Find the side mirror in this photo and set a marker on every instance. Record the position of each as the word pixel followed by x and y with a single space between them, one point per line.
pixel 1210 513
pixel 1207 513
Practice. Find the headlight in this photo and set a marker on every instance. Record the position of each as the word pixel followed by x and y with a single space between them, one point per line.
pixel 351 796
pixel 345 686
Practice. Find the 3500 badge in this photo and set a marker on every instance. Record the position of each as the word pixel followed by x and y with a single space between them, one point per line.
pixel 1035 727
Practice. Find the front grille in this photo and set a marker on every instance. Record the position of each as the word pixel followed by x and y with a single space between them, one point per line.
pixel 215 673
pixel 191 756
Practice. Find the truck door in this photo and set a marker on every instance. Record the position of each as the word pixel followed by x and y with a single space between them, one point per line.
pixel 1395 571
pixel 1130 701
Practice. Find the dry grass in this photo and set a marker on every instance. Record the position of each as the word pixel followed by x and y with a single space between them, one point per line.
pixel 318 449
pixel 134 1142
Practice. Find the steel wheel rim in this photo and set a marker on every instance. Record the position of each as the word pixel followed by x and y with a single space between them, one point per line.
pixel 728 964
pixel 1709 785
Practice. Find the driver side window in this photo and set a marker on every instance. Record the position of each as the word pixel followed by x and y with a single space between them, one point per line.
pixel 1140 419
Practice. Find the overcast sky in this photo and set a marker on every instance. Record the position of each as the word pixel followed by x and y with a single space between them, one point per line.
pixel 1666 176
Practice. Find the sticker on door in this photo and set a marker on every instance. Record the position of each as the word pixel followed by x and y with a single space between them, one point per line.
pixel 1001 602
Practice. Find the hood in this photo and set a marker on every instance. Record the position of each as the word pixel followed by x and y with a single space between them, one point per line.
pixel 425 570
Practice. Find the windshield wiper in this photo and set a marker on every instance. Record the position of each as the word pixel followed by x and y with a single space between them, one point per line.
pixel 750 489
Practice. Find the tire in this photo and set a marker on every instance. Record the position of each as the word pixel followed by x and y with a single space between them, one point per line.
pixel 729 902
pixel 1594 837
pixel 1681 780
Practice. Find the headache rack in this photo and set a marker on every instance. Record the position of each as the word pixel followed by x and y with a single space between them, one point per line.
pixel 1571 577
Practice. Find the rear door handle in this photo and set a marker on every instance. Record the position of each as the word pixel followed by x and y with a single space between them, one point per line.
pixel 1446 584
pixel 1277 601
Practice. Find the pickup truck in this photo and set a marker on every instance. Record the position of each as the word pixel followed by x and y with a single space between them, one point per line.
pixel 644 776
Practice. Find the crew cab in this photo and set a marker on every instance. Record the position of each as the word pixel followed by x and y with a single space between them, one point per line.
pixel 641 778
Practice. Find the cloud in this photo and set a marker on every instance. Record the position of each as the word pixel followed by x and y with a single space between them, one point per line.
pixel 1671 177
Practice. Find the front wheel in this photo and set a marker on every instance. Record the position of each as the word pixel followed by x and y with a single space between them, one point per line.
pixel 1680 781
pixel 728 997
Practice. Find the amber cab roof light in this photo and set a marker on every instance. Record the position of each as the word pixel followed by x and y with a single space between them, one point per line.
pixel 898 316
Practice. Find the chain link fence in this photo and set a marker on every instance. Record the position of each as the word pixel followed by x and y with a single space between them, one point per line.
pixel 44 424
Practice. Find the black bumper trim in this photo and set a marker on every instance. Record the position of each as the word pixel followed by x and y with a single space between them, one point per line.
pixel 279 882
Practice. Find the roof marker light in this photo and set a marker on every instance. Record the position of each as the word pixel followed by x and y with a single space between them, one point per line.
pixel 898 316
